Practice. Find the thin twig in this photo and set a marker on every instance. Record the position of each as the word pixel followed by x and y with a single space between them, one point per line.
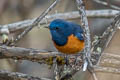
pixel 69 75
pixel 107 4
pixel 107 69
pixel 94 76
pixel 56 70
pixel 36 21
pixel 6 75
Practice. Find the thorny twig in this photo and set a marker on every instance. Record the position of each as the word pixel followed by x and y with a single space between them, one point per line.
pixel 36 21
pixel 87 39
pixel 107 4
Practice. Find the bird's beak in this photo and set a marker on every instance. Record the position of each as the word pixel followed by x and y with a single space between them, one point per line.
pixel 46 27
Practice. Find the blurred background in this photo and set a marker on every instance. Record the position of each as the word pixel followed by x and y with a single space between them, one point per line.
pixel 17 10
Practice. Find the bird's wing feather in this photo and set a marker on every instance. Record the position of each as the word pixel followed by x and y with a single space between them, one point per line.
pixel 79 35
pixel 78 31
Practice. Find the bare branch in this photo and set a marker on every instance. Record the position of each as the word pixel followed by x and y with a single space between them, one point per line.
pixel 68 15
pixel 106 69
pixel 36 21
pixel 94 76
pixel 56 70
pixel 104 40
pixel 108 13
pixel 110 60
pixel 107 4
pixel 87 39
pixel 25 53
pixel 6 75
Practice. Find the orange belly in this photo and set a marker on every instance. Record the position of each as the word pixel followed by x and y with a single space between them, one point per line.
pixel 73 46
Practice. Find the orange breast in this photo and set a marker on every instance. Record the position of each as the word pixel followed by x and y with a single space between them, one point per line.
pixel 73 46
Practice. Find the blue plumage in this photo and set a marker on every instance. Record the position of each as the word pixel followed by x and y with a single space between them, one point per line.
pixel 61 30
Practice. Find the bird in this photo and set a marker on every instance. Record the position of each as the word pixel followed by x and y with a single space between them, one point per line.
pixel 67 36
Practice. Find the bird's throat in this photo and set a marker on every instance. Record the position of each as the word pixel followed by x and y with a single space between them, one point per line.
pixel 60 41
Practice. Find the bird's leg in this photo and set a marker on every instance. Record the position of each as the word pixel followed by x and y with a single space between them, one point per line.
pixel 66 60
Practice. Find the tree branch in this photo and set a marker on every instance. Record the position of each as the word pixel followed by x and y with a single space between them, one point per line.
pixel 68 15
pixel 36 21
pixel 104 40
pixel 84 23
pixel 107 4
pixel 106 69
pixel 6 75
pixel 19 53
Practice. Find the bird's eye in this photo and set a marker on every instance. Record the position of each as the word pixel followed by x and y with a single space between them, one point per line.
pixel 56 28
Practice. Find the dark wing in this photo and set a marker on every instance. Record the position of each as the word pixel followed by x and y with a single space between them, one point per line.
pixel 78 31
pixel 79 36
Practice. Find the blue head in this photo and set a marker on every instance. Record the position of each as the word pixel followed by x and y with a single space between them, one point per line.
pixel 60 30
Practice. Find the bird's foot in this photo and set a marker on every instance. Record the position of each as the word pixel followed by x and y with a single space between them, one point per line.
pixel 60 60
